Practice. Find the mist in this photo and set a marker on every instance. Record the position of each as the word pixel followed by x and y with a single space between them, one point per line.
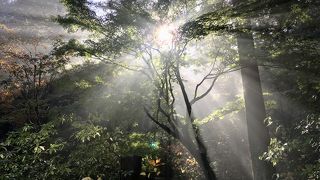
pixel 159 90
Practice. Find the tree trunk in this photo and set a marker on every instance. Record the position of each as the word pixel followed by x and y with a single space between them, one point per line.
pixel 204 161
pixel 197 149
pixel 199 152
pixel 255 109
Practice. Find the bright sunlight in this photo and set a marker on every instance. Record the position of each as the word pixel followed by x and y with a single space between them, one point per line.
pixel 159 89
pixel 165 34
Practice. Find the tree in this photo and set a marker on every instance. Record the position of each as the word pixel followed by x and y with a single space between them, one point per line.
pixel 93 114
pixel 267 24
pixel 121 30
pixel 293 118
pixel 254 103
pixel 255 109
pixel 29 74
pixel 87 132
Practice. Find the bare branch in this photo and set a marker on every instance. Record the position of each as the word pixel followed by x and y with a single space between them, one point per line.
pixel 164 127
pixel 183 89
pixel 207 76
pixel 215 78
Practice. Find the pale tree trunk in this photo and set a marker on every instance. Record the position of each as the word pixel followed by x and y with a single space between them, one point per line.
pixel 258 135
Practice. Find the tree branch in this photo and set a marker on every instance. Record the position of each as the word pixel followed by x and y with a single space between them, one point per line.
pixel 164 127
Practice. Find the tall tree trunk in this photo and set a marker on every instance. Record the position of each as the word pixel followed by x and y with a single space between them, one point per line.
pixel 255 109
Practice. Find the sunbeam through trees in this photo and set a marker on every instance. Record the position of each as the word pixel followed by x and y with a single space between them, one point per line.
pixel 160 89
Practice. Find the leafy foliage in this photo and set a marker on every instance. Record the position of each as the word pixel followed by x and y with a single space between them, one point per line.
pixel 92 115
pixel 29 74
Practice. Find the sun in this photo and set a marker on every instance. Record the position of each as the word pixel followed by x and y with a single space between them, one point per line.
pixel 165 34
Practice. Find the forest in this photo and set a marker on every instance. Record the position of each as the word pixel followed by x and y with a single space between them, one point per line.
pixel 160 89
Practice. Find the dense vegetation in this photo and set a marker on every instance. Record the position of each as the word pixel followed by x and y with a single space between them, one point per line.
pixel 159 80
